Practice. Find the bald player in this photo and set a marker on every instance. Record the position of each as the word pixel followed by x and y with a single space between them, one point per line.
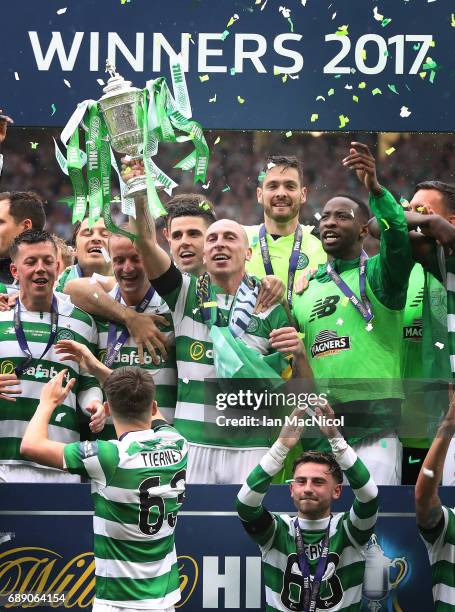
pixel 211 312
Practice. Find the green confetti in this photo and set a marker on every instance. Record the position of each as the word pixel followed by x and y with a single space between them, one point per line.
pixel 392 87
pixel 288 134
pixel 261 176
pixel 432 75
pixel 408 88
pixel 291 24
pixel 232 71
pixel 355 98
pixel 343 121
pixel 338 76
pixel 430 64
pixel 385 22
pixel 225 34
pixel 416 47
pixel 376 91
pixel 53 108
pixel 331 92
pixel 227 188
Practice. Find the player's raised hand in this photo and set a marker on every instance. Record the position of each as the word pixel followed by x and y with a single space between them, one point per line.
pixel 98 416
pixel 56 391
pixel 75 351
pixel 287 340
pixel 293 428
pixel 327 427
pixel 362 161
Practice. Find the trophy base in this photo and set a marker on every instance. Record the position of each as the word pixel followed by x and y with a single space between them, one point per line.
pixel 138 186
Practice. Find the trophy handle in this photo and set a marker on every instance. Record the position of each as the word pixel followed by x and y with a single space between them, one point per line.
pixel 402 565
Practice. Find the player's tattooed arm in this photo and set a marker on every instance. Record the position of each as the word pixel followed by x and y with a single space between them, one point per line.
pixel 428 518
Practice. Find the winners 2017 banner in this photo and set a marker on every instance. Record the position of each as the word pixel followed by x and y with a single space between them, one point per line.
pixel 385 65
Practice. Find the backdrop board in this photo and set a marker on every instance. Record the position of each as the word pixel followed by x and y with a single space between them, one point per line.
pixel 251 64
pixel 46 536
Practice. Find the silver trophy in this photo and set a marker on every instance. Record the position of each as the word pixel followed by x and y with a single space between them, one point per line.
pixel 377 582
pixel 119 107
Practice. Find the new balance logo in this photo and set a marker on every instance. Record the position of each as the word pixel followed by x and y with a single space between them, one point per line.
pixel 325 307
pixel 328 342
pixel 418 299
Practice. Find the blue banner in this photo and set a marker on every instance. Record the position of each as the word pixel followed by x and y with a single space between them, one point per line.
pixel 251 64
pixel 46 546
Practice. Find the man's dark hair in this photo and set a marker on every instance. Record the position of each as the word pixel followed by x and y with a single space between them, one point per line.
pixel 447 190
pixel 130 392
pixel 31 236
pixel 322 458
pixel 190 205
pixel 285 161
pixel 364 211
pixel 26 205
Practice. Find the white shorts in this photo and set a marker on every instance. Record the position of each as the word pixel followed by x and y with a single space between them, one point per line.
pixel 217 465
pixel 382 456
pixel 448 474
pixel 103 607
pixel 12 472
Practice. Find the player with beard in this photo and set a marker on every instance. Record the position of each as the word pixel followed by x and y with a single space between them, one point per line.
pixel 315 561
pixel 342 338
pixel 281 245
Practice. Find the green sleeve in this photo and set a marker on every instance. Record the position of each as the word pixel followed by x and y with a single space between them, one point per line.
pixel 388 272
pixel 3 288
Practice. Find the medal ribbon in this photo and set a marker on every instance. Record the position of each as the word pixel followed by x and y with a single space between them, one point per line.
pixel 293 261
pixel 22 340
pixel 311 587
pixel 114 344
pixel 363 306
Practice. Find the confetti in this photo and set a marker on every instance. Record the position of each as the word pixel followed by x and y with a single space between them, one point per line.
pixel 204 78
pixel 317 216
pixel 213 99
pixel 240 100
pixel 363 54
pixel 333 16
pixel 340 322
pixel 105 254
pixel 53 109
pixel 195 310
pixel 390 151
pixel 404 111
pixel 284 78
pixel 291 24
pixel 404 202
pixel 16 76
pixel 270 165
pixel 232 71
pixel 345 302
pixel 362 85
pixel 432 75
pixel 348 86
pixel 227 188
pixel 355 98
pixel 331 92
pixel 376 91
pixel 376 15
pixel 232 20
pixel 285 12
pixel 34 145
pixel 61 11
pixel 314 117
pixel 343 121
pixel 218 139
pixel 385 22
pixel 416 47
pixel 288 134
pixel 392 87
pixel 185 381
pixel 67 83
pixel 304 2
pixel 124 1
pixel 383 443
pixel 261 176
pixel 225 34
pixel 206 186
pixel 418 230
pixel 320 98
pixel 422 75
pixel 453 20
pixel 59 417
pixel 100 81
pixel 342 30
pixel 428 473
pixel 439 345
pixel 386 224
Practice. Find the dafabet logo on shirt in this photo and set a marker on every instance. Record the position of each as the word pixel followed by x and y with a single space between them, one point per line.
pixel 328 342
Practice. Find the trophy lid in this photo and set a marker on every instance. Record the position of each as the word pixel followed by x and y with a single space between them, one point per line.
pixel 116 84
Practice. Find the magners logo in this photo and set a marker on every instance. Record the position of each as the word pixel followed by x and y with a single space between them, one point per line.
pixel 328 342
pixel 414 331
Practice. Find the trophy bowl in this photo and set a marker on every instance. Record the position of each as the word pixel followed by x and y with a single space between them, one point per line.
pixel 119 105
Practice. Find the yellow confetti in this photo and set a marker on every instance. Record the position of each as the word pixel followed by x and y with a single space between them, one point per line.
pixel 204 78
pixel 284 78
pixel 362 85
pixel 34 145
pixel 355 98
pixel 364 54
pixel 331 92
pixel 343 121
pixel 276 71
pixel 390 151
pixel 342 30
pixel 453 20
pixel 217 140
pixel 240 100
pixel 345 302
pixel 422 75
pixel 230 22
pixel 288 134
pixel 376 91
pixel 314 117
pixel 433 43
